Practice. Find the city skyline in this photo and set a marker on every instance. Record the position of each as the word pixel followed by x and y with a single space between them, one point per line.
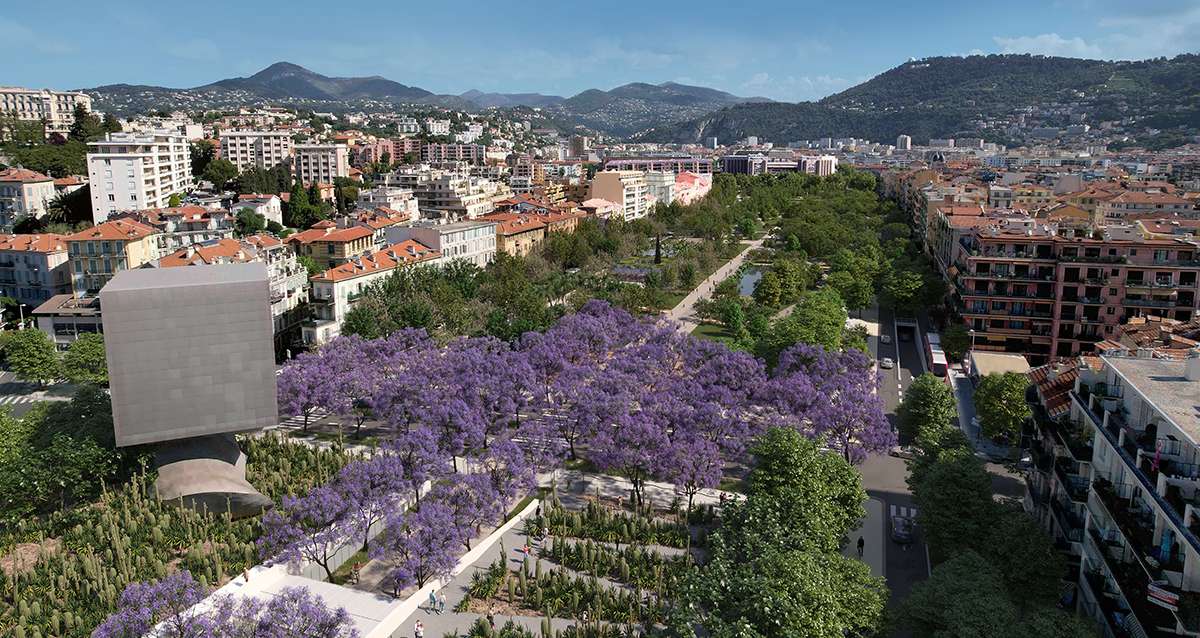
pixel 775 50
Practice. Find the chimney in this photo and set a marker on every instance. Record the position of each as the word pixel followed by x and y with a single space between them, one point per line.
pixel 1191 371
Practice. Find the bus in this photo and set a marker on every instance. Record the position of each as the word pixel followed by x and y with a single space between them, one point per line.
pixel 935 358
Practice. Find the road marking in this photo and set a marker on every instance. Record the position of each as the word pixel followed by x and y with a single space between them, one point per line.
pixel 14 399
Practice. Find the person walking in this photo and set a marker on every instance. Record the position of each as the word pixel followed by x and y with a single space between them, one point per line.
pixel 861 544
pixel 441 603
pixel 419 630
pixel 491 618
pixel 432 601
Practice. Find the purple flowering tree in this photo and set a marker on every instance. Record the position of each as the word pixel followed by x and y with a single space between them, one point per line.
pixel 310 528
pixel 473 502
pixel 634 446
pixel 370 487
pixel 418 460
pixel 300 387
pixel 351 375
pixel 420 545
pixel 167 607
pixel 507 469
pixel 695 465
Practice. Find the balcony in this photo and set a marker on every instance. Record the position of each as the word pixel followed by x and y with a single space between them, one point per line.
pixel 1149 303
pixel 1112 606
pixel 1069 521
pixel 1075 486
pixel 1132 581
pixel 1148 285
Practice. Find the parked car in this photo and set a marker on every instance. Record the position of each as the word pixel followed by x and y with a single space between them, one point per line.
pixel 902 529
pixel 886 363
pixel 885 338
pixel 903 451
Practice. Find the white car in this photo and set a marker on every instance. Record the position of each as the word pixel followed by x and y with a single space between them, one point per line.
pixel 885 339
pixel 886 363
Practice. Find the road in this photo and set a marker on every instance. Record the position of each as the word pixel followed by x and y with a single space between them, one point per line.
pixel 19 396
pixel 684 311
pixel 884 477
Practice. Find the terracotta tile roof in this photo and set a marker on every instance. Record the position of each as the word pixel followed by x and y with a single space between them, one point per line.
pixel 404 253
pixel 42 243
pixel 23 175
pixel 70 180
pixel 1054 383
pixel 117 229
pixel 263 240
pixel 382 217
pixel 222 251
pixel 330 234
pixel 515 223
pixel 246 196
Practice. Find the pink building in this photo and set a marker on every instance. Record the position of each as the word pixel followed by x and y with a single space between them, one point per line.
pixel 691 187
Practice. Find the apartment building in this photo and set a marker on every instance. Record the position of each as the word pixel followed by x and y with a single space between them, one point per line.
pixel 24 193
pixel 628 189
pixel 378 220
pixel 437 127
pixel 288 280
pixel 55 108
pixel 1132 202
pixel 256 149
pixel 99 252
pixel 664 163
pixel 1026 288
pixel 903 143
pixel 660 186
pixel 184 225
pixel 1117 451
pixel 819 165
pixel 472 241
pixel 691 187
pixel 395 198
pixel 335 291
pixel 449 195
pixel 442 153
pixel 329 245
pixel 135 171
pixel 408 125
pixel 268 205
pixel 321 163
pixel 34 268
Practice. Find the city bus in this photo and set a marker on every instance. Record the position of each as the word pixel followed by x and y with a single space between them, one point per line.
pixel 935 359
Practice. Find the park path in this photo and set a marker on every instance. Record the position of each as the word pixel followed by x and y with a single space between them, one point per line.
pixel 685 312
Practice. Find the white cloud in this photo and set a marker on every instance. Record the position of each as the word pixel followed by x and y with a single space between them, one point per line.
pixel 1049 44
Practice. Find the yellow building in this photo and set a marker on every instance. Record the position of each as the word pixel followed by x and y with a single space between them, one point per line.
pixel 331 246
pixel 99 252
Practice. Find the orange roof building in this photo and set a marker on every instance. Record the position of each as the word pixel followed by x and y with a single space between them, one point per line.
pixel 102 251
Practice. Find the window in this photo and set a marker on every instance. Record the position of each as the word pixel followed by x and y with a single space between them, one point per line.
pixel 1108 310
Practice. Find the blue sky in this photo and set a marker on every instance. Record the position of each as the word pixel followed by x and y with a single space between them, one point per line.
pixel 786 50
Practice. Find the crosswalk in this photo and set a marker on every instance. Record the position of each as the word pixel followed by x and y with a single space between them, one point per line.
pixel 15 399
pixel 297 422
pixel 902 510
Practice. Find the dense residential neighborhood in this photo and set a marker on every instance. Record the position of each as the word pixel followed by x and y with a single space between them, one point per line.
pixel 913 354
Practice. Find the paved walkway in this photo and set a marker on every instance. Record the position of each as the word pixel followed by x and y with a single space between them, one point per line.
pixel 964 392
pixel 684 312
pixel 872 531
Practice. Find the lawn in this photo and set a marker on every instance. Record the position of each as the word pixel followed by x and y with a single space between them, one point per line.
pixel 713 331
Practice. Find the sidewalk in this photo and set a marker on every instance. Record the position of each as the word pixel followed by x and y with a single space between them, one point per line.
pixel 684 312
pixel 964 392
pixel 872 531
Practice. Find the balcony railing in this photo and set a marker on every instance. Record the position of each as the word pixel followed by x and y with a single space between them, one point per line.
pixel 1094 259
pixel 1150 303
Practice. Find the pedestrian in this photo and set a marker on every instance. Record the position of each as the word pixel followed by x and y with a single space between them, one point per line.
pixel 355 571
pixel 861 543
pixel 441 604
pixel 539 509
pixel 491 618
pixel 432 601
pixel 419 630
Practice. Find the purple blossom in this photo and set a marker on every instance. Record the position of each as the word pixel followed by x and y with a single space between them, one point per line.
pixel 418 458
pixel 421 545
pixel 473 502
pixel 370 487
pixel 311 528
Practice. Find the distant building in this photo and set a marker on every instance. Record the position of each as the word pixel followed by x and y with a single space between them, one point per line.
pixel 473 241
pixel 437 127
pixel 660 185
pixel 580 145
pixel 335 291
pixel 711 142
pixel 321 163
pixel 100 252
pixel 904 143
pixel 331 246
pixel 941 143
pixel 627 188
pixel 269 206
pixel 55 108
pixel 671 163
pixel 34 268
pixel 691 187
pixel 24 193
pixel 744 164
pixel 134 171
pixel 256 149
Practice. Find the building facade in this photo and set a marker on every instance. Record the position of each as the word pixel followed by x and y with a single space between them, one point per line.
pixel 33 268
pixel 321 163
pixel 100 252
pixel 256 149
pixel 55 108
pixel 473 241
pixel 24 193
pixel 129 171
pixel 628 189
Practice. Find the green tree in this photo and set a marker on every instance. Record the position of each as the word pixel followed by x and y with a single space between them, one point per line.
pixel 901 289
pixel 927 410
pixel 249 222
pixel 819 318
pixel 202 152
pixel 363 320
pixel 956 341
pixel 310 265
pixel 85 362
pixel 111 124
pixel 86 126
pixel 175 200
pixel 963 598
pixel 220 172
pixel 1030 566
pixel 954 503
pixel 855 291
pixel 768 291
pixel 1000 404
pixel 31 355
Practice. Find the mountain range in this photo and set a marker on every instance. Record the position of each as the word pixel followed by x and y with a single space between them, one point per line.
pixel 948 96
pixel 622 111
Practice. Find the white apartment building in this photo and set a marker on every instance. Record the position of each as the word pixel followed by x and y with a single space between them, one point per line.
pixel 269 206
pixel 449 196
pixel 34 268
pixel 904 143
pixel 473 241
pixel 335 291
pixel 134 171
pixel 57 108
pixel 321 163
pixel 408 125
pixel 626 189
pixel 398 199
pixel 661 186
pixel 261 149
pixel 24 193
pixel 437 127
